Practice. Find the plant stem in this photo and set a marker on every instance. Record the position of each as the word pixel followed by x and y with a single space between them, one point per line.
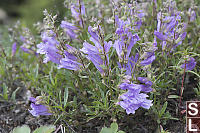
pixel 183 77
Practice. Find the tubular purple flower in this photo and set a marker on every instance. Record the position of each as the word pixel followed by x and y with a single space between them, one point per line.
pixel 93 34
pixel 150 57
pixel 97 54
pixel 26 50
pixel 118 47
pixel 27 47
pixel 133 99
pixel 76 12
pixel 190 64
pixel 130 66
pixel 181 38
pixel 134 39
pixel 126 39
pixel 171 24
pixel 160 36
pixel 69 28
pixel 14 48
pixel 67 25
pixel 145 81
pixel 70 61
pixel 38 109
pixel 192 15
pixel 82 7
pixel 49 48
pixel 94 54
pixel 159 21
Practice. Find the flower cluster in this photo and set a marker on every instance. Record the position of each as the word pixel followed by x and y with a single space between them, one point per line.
pixel 170 31
pixel 28 42
pixel 126 39
pixel 48 47
pixel 78 10
pixel 133 98
pixel 98 54
pixel 70 61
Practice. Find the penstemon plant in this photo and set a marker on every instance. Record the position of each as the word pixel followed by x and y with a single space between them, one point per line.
pixel 100 66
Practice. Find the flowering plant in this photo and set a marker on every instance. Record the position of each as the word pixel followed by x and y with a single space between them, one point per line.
pixel 125 61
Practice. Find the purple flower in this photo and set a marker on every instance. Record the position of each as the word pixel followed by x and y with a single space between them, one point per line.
pixel 49 48
pixel 27 47
pixel 123 45
pixel 139 87
pixel 147 84
pixel 168 31
pixel 145 81
pixel 119 45
pixel 150 57
pixel 94 53
pixel 190 64
pixel 133 99
pixel 70 61
pixel 160 36
pixel 130 66
pixel 77 11
pixel 94 36
pixel 97 54
pixel 38 109
pixel 69 28
pixel 192 15
pixel 14 48
pixel 180 39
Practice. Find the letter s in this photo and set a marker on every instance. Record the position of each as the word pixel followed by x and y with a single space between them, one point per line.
pixel 193 108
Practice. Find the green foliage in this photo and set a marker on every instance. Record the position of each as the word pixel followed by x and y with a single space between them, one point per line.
pixel 161 114
pixel 45 129
pixel 26 129
pixel 113 129
pixel 22 129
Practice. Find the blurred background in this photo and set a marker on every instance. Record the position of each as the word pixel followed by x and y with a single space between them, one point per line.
pixel 28 11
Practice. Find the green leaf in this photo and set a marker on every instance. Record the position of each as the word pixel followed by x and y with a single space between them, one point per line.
pixel 163 109
pixel 114 127
pixel 36 70
pixel 106 130
pixel 22 129
pixel 5 91
pixel 45 129
pixel 14 94
pixel 108 37
pixel 173 96
pixel 65 97
pixel 120 131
